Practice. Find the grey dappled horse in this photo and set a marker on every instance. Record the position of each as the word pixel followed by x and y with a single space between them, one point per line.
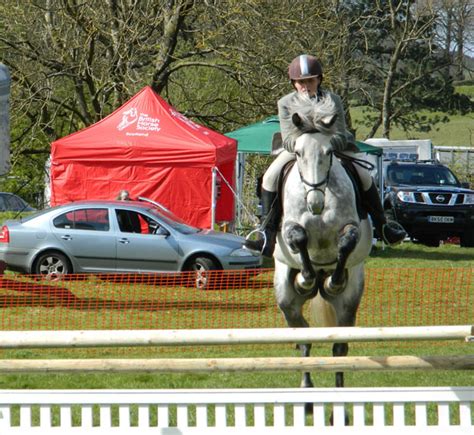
pixel 323 242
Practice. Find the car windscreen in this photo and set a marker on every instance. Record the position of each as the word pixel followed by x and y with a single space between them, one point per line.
pixel 173 221
pixel 418 175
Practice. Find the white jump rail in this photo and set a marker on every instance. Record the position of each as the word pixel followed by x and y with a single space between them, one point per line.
pixel 430 410
pixel 198 337
pixel 386 411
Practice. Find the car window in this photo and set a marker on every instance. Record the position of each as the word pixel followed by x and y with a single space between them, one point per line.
pixel 14 203
pixel 134 222
pixel 3 205
pixel 93 219
pixel 174 222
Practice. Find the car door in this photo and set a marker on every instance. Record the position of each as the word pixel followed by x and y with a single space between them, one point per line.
pixel 143 245
pixel 85 235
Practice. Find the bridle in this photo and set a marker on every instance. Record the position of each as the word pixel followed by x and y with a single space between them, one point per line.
pixel 317 186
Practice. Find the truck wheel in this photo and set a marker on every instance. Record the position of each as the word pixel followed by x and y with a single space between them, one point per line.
pixel 432 241
pixel 467 239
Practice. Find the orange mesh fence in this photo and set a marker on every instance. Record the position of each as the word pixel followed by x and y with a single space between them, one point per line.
pixel 393 297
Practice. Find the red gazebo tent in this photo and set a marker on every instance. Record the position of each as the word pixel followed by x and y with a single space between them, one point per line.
pixel 151 150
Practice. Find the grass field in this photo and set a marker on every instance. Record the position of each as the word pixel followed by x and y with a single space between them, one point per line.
pixel 406 256
pixel 457 132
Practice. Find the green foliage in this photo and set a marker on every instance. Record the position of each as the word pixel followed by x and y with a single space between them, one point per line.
pixel 6 215
pixel 27 178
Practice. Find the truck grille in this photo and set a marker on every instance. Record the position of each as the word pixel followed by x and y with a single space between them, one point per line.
pixel 440 198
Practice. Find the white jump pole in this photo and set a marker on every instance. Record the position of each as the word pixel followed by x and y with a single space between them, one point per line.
pixel 196 337
pixel 279 364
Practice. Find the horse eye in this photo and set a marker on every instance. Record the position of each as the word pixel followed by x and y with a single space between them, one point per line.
pixel 297 154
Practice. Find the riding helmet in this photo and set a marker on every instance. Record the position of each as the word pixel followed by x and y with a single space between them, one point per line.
pixel 304 67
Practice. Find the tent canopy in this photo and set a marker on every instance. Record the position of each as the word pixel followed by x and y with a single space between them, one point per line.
pixel 146 129
pixel 150 149
pixel 257 138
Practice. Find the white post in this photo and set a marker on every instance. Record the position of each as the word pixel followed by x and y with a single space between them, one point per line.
pixel 213 197
pixel 239 174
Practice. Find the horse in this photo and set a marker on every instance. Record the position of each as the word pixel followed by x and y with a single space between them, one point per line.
pixel 323 242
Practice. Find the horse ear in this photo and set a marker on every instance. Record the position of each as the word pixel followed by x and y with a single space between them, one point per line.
pixel 296 119
pixel 328 121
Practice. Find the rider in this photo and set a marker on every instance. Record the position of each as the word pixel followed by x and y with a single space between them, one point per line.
pixel 306 75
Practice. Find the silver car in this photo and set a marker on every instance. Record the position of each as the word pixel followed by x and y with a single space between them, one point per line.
pixel 117 237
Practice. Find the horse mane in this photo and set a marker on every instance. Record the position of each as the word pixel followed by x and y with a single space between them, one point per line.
pixel 314 114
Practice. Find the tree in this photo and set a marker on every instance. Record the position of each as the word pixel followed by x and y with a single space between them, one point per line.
pixel 403 66
pixel 73 62
pixel 455 30
pixel 220 62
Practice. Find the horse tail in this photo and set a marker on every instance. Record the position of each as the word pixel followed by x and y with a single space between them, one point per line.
pixel 322 313
pixel 342 310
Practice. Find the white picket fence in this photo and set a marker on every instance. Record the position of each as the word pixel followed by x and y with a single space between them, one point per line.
pixel 385 411
pixel 403 411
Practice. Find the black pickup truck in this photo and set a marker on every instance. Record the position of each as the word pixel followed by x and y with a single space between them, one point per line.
pixel 429 201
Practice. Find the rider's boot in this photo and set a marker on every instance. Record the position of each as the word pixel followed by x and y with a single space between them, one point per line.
pixel 269 225
pixel 391 233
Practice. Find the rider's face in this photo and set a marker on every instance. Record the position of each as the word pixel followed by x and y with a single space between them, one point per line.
pixel 307 86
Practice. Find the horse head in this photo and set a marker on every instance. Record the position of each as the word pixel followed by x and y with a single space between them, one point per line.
pixel 313 150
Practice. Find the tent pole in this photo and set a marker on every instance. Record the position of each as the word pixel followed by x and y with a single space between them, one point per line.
pixel 213 197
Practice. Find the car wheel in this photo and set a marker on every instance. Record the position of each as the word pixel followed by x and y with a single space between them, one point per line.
pixel 52 265
pixel 200 266
pixel 467 239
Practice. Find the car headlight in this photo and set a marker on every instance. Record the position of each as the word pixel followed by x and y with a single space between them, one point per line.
pixel 242 252
pixel 406 196
pixel 469 198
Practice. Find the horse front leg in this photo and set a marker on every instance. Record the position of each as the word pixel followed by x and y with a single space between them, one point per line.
pixel 291 305
pixel 297 239
pixel 340 349
pixel 337 281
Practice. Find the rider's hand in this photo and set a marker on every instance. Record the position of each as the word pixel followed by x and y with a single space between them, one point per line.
pixel 338 142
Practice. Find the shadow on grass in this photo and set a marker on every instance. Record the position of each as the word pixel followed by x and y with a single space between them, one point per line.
pixel 44 295
pixel 418 252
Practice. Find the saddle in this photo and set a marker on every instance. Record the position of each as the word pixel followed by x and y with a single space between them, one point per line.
pixel 351 171
pixel 349 165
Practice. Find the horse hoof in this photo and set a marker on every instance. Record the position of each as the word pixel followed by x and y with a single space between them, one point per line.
pixel 304 286
pixel 333 289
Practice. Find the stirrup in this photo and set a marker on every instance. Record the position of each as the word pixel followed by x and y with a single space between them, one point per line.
pixel 263 237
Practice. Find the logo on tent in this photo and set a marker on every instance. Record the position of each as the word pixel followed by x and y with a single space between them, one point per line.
pixel 129 117
pixel 143 122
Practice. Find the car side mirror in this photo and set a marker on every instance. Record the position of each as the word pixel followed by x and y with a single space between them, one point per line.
pixel 160 231
pixel 465 184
